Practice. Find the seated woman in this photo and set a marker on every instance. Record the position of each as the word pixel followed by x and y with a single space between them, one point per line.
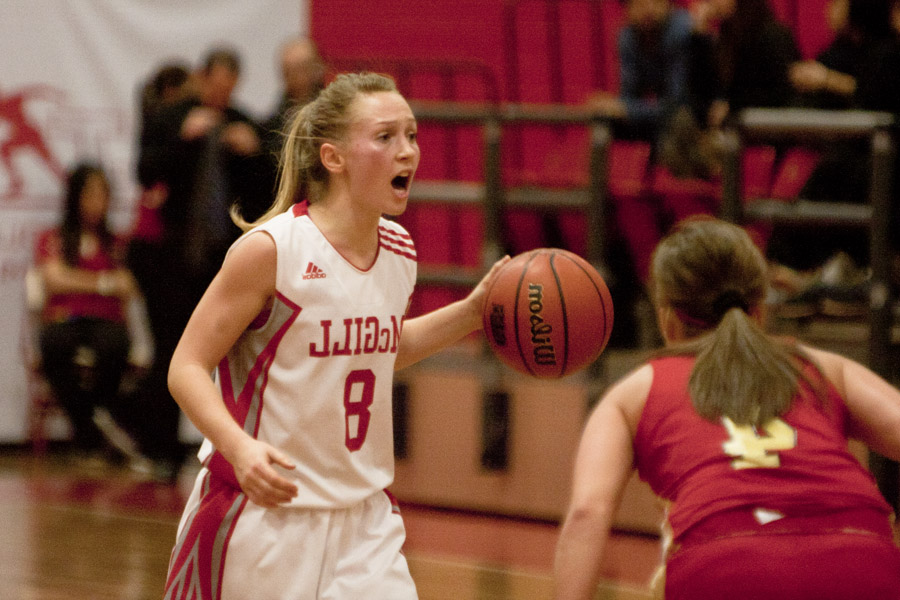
pixel 84 339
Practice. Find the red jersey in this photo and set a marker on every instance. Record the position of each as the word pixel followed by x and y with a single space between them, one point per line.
pixel 798 464
pixel 61 307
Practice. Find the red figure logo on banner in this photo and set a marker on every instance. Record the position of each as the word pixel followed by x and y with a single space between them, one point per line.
pixel 20 133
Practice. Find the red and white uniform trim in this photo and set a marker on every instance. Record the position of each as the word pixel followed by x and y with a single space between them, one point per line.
pixel 313 378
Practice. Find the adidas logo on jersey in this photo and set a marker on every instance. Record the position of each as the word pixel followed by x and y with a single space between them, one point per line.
pixel 313 272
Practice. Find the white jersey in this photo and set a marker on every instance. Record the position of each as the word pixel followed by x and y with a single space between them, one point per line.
pixel 313 378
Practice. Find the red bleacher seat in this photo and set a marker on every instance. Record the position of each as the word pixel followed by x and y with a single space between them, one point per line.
pixel 628 168
pixel 794 170
pixel 757 165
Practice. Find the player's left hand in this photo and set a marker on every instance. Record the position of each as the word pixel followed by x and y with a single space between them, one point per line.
pixel 479 293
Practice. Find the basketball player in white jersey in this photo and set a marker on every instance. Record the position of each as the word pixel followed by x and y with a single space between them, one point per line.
pixel 302 327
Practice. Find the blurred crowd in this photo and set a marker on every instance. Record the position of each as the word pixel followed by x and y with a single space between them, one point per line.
pixel 686 72
pixel 200 158
pixel 688 69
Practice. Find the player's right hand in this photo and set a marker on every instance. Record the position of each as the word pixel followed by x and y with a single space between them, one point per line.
pixel 259 481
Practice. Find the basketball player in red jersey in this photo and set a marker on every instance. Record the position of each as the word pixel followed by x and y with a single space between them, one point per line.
pixel 302 326
pixel 745 435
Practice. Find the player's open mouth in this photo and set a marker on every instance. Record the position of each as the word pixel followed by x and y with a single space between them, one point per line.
pixel 401 182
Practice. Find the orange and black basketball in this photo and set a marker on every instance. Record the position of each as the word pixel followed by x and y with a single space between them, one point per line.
pixel 548 313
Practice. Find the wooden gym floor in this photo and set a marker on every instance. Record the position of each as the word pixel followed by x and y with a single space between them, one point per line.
pixel 77 533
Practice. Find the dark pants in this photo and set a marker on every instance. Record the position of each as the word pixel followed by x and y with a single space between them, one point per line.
pixel 84 360
pixel 171 290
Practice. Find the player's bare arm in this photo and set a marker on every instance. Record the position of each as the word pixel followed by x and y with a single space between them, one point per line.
pixel 240 291
pixel 429 333
pixel 605 449
pixel 874 404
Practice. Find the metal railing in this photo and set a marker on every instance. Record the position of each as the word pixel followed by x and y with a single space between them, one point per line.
pixel 494 196
pixel 802 126
pixel 807 126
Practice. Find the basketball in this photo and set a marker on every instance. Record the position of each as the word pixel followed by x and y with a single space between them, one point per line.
pixel 548 313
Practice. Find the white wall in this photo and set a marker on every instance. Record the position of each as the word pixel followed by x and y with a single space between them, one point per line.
pixel 69 75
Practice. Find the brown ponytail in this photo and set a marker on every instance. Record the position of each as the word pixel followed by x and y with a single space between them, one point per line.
pixel 712 275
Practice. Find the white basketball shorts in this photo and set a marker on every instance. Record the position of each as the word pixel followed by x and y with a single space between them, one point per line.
pixel 231 549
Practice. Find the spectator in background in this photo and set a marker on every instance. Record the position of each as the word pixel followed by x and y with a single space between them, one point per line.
pixel 858 68
pixel 84 338
pixel 654 70
pixel 204 155
pixel 167 86
pixel 302 77
pixel 211 164
pixel 823 270
pixel 752 53
pixel 657 103
pixel 829 81
pixel 150 260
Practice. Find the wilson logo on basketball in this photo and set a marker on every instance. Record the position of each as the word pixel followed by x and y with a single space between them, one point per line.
pixel 544 353
pixel 313 272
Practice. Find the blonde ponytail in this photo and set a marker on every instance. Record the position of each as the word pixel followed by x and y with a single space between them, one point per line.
pixel 324 119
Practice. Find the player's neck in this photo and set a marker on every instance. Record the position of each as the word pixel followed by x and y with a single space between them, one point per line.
pixel 353 235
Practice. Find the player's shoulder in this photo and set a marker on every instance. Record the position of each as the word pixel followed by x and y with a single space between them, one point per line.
pixel 255 247
pixel 629 394
pixel 286 225
pixel 635 384
pixel 393 227
pixel 393 237
pixel 830 364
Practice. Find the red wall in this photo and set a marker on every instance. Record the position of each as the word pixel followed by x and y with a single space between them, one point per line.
pixel 479 30
pixel 513 50
pixel 518 53
pixel 426 28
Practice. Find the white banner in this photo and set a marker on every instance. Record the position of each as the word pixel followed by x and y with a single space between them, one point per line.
pixel 69 77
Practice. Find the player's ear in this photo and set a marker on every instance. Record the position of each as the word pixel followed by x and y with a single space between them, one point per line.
pixel 331 157
pixel 670 326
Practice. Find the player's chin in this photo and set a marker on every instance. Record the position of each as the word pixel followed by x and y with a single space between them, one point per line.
pixel 397 206
pixel 395 211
